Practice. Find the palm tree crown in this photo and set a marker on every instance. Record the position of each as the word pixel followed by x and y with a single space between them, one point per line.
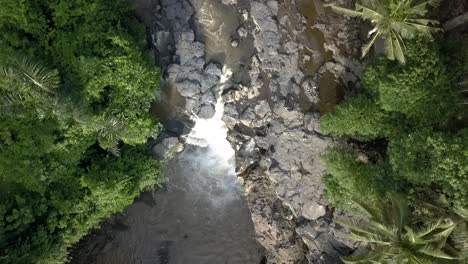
pixel 397 238
pixel 394 21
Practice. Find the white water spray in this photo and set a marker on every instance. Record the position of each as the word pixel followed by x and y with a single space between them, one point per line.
pixel 212 132
pixel 216 159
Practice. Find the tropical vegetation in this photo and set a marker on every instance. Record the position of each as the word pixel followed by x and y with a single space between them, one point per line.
pixel 394 21
pixel 408 135
pixel 75 93
pixel 397 236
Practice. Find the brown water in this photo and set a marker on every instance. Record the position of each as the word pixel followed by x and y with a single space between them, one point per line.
pixel 216 25
pixel 201 218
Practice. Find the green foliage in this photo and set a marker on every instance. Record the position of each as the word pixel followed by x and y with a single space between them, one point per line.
pixel 399 238
pixel 416 109
pixel 427 157
pixel 94 46
pixel 351 178
pixel 394 21
pixel 424 91
pixel 71 149
pixel 361 117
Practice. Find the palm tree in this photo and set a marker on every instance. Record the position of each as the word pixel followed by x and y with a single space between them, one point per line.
pixel 29 89
pixel 394 21
pixel 26 84
pixel 435 205
pixel 394 238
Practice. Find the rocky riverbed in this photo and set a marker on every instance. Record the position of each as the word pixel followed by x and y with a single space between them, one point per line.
pixel 291 61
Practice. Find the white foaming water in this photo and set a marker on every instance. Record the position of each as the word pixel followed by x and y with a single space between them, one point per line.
pixel 212 157
pixel 212 132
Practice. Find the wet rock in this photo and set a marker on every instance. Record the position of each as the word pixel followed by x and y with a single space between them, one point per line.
pixel 166 147
pixel 313 211
pixel 188 88
pixel 234 43
pixel 212 69
pixel 208 97
pixel 206 111
pixel 242 32
pixel 245 14
pixel 229 2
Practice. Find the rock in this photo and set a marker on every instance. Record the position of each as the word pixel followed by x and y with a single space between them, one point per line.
pixel 311 91
pixel 206 111
pixel 279 147
pixel 207 82
pixel 208 97
pixel 188 88
pixel 245 14
pixel 313 211
pixel 291 47
pixel 312 122
pixel 290 118
pixel 229 2
pixel 242 32
pixel 212 69
pixel 262 109
pixel 166 147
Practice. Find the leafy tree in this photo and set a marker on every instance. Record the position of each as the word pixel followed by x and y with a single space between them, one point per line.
pixel 71 149
pixel 96 47
pixel 431 158
pixel 424 90
pixel 361 117
pixel 349 177
pixel 394 21
pixel 397 238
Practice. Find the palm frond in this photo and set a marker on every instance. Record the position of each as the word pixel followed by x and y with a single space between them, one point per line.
pixel 41 77
pixel 422 21
pixel 462 212
pixel 369 45
pixel 346 11
pixel 367 209
pixel 459 239
pixel 393 20
pixel 400 48
pixel 421 8
pixel 435 253
pixel 423 29
pixel 368 13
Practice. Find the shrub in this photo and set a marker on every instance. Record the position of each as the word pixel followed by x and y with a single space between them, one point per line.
pixel 427 158
pixel 349 178
pixel 360 117
pixel 423 90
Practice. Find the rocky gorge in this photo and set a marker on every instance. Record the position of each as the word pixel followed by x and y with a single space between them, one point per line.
pixel 291 61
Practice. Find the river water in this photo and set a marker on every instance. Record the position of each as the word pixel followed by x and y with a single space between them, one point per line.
pixel 200 216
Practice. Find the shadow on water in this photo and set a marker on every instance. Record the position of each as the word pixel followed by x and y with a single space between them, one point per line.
pixel 200 219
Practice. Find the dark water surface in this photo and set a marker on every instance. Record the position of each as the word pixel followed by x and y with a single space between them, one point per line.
pixel 201 217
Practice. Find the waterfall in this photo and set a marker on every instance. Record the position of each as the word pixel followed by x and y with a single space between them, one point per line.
pixel 212 152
